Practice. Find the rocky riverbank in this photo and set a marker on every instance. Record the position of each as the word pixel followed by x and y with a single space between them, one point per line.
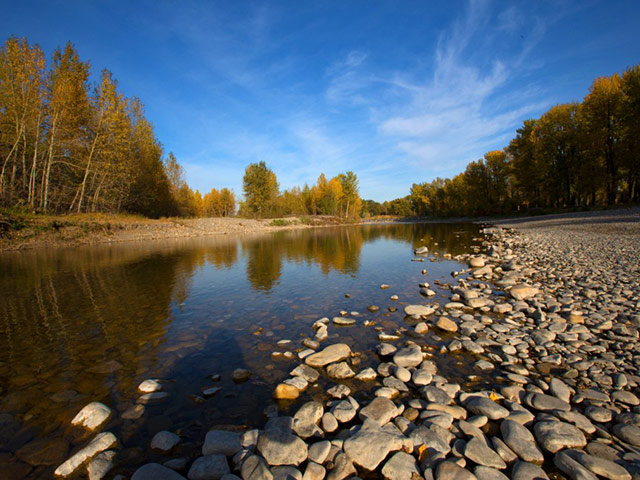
pixel 550 312
pixel 36 231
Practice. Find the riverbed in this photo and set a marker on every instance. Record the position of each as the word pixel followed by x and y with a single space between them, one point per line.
pixel 87 324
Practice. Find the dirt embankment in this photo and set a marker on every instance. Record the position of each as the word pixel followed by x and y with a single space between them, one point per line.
pixel 33 231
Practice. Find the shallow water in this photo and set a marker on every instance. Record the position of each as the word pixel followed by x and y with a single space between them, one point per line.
pixel 89 324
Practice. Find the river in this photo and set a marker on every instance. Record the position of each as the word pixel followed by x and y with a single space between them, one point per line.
pixel 90 323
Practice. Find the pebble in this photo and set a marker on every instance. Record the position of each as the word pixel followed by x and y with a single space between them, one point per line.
pixel 92 415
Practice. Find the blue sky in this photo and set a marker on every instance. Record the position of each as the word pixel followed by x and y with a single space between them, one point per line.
pixel 397 91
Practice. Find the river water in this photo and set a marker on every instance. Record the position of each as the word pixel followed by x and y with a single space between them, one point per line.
pixel 90 323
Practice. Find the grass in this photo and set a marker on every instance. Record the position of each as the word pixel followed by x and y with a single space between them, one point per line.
pixel 281 222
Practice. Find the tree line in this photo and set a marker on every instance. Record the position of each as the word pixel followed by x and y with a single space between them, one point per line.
pixel 579 154
pixel 70 146
pixel 338 196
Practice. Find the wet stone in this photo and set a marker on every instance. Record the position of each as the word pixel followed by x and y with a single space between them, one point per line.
pixel 519 439
pixel 92 415
pixel 164 441
pixel 43 451
pixel 554 436
pixel 221 441
pixel 331 354
pixel 340 371
pixel 281 448
pixel 209 467
pixel 155 471
pixel 408 357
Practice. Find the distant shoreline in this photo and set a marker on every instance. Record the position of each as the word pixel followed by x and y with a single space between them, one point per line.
pixel 65 231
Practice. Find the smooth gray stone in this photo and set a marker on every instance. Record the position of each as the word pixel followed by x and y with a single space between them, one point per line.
pixel 344 411
pixel 544 403
pixel 381 410
pixel 560 389
pixel 572 468
pixel 627 433
pixel 408 357
pixel 306 419
pixel 599 466
pixel 286 473
pixel 281 448
pixel 528 471
pixel 319 451
pixel 221 441
pixel 305 371
pixel 331 354
pixel 164 441
pixel 209 467
pixel 452 471
pixel 435 395
pixel 155 471
pixel 371 445
pixel 430 439
pixel 314 471
pixel 401 466
pixel 486 473
pixel 255 468
pixel 487 407
pixel 519 439
pixel 554 436
pixel 478 452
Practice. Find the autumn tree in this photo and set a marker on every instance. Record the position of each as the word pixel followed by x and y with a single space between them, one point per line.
pixel 260 188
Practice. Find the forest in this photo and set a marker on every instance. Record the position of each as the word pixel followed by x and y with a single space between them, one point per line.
pixel 576 155
pixel 70 146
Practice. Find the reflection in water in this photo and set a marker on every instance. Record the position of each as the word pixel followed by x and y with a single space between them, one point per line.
pixel 85 324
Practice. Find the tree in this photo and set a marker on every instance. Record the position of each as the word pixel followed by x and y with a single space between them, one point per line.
pixel 630 111
pixel 602 121
pixel 260 188
pixel 349 183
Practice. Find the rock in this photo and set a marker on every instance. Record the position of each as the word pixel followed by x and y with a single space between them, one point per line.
pixel 331 354
pixel 339 391
pixel 519 439
pixel 281 448
pixel 164 441
pixel 286 473
pixel 101 464
pixel 381 410
pixel 318 452
pixel 419 310
pixel 367 375
pixel 329 423
pixel 101 442
pixel 344 411
pixel 421 250
pixel 343 468
pixel 421 328
pixel 599 466
pixel 298 382
pixel 306 419
pixel 544 403
pixel 92 415
pixel 476 262
pixel 153 397
pixel 625 397
pixel 134 412
pixel 452 471
pixel 447 325
pixel 485 406
pixel 385 349
pixel 486 473
pixel 286 392
pixel 240 375
pixel 560 389
pixel 284 424
pixel 209 467
pixel 627 433
pixel 371 445
pixel 343 321
pixel 401 466
pixel 309 374
pixel 314 471
pixel 255 468
pixel 155 471
pixel 222 441
pixel 149 385
pixel 43 451
pixel 478 452
pixel 554 436
pixel 408 357
pixel 340 371
pixel 527 471
pixel 523 292
pixel 572 468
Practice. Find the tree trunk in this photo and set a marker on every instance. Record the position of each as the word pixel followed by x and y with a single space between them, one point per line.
pixel 45 179
pixel 6 160
pixel 86 171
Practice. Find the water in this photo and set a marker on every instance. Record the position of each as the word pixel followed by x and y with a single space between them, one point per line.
pixel 89 324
